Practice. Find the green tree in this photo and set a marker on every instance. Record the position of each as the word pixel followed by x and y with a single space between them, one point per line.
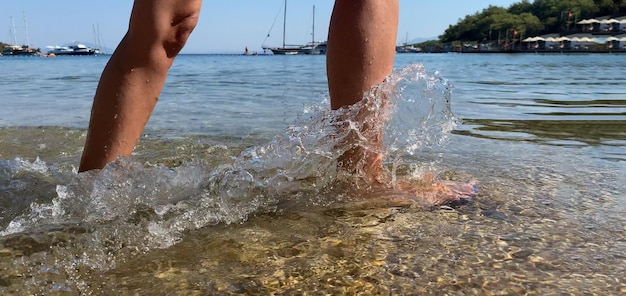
pixel 476 27
pixel 607 7
pixel 529 18
pixel 554 13
pixel 530 24
pixel 521 7
pixel 492 22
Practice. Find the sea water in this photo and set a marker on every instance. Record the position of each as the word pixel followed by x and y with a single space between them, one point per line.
pixel 233 187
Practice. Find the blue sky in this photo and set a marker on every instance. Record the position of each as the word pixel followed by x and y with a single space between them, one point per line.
pixel 224 26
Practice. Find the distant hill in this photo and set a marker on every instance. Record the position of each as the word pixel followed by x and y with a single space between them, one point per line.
pixel 421 39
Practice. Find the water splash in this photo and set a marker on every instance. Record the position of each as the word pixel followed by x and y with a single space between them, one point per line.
pixel 422 117
pixel 129 207
pixel 411 107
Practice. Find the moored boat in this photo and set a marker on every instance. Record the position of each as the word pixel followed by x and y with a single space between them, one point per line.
pixel 408 49
pixel 314 48
pixel 75 49
pixel 285 49
pixel 20 50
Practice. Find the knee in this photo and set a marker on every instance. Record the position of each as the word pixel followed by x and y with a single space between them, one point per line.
pixel 179 31
pixel 162 27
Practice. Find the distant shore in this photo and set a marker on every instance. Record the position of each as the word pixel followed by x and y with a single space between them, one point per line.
pixel 423 52
pixel 559 51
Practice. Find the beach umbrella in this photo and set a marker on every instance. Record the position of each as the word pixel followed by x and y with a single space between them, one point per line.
pixel 552 39
pixel 612 39
pixel 623 21
pixel 608 21
pixel 585 22
pixel 538 38
pixel 599 40
pixel 563 38
pixel 529 39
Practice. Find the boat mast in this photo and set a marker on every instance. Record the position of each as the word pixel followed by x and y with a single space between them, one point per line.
pixel 95 36
pixel 313 31
pixel 101 44
pixel 12 29
pixel 284 23
pixel 26 29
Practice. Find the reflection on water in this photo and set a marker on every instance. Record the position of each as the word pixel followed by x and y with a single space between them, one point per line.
pixel 551 132
pixel 565 101
pixel 591 103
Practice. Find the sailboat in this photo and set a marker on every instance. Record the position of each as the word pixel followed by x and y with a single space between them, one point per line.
pixel 406 47
pixel 315 47
pixel 99 44
pixel 20 50
pixel 285 49
pixel 76 48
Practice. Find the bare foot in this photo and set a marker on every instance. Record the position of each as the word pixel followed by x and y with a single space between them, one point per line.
pixel 432 192
pixel 426 191
pixel 361 127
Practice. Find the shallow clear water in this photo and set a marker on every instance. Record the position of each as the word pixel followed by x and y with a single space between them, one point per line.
pixel 219 196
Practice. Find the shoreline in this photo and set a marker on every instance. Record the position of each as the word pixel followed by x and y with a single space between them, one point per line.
pixel 559 51
pixel 398 53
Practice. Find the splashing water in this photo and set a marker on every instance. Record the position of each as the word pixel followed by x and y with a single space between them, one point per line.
pixel 422 117
pixel 99 218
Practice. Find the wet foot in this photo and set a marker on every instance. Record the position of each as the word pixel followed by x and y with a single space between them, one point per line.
pixel 438 192
pixel 426 191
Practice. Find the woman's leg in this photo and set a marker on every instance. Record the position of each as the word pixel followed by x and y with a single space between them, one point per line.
pixel 360 55
pixel 132 81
